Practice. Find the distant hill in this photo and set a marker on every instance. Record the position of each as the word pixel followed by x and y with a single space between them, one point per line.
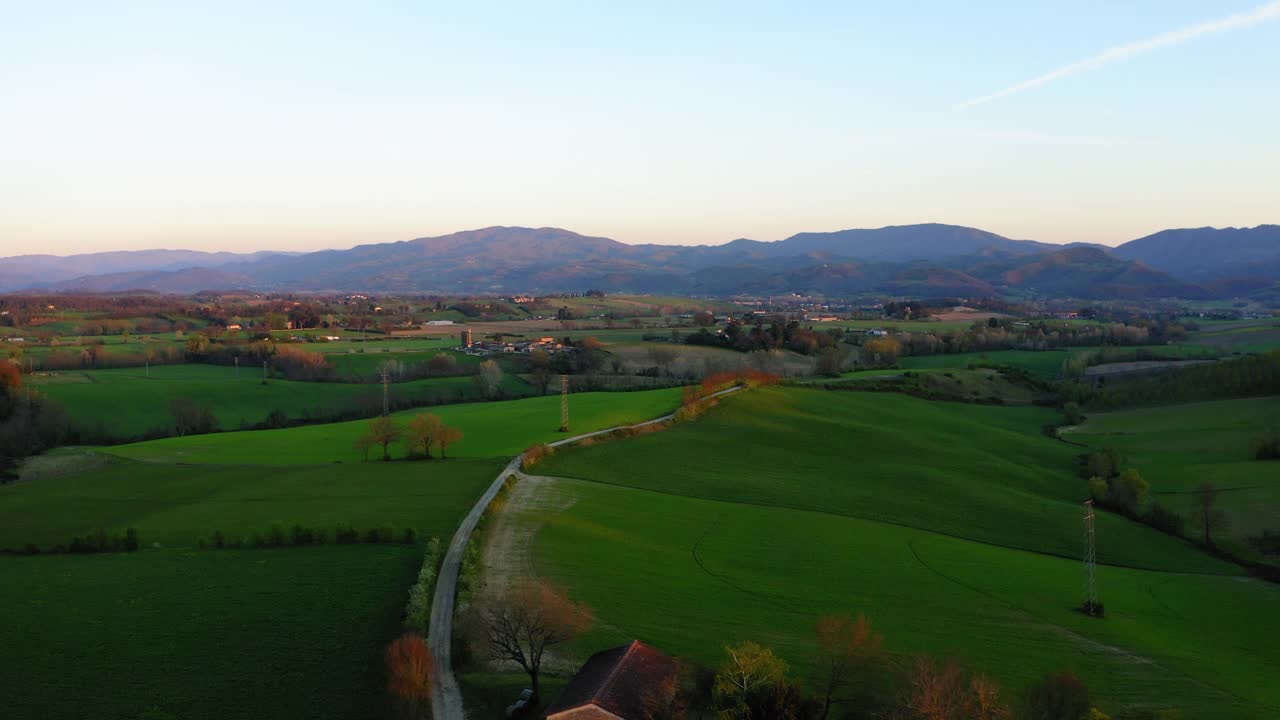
pixel 1209 253
pixel 905 260
pixel 31 271
pixel 896 243
pixel 171 282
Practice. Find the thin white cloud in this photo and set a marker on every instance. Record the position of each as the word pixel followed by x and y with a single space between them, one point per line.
pixel 1239 21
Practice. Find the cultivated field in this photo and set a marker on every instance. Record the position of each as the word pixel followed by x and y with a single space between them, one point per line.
pixel 492 429
pixel 126 403
pixel 203 633
pixel 956 527
pixel 1046 364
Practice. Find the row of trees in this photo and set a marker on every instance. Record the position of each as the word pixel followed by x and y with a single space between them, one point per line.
pixel 422 433
pixel 1117 487
pixel 773 335
pixel 1249 376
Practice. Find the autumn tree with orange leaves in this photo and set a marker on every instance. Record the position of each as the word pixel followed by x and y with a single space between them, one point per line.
pixel 530 618
pixel 410 667
pixel 946 691
pixel 846 648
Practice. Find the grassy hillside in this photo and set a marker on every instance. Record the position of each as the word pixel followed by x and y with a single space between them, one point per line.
pixel 1179 447
pixel 724 572
pixel 490 429
pixel 881 456
pixel 127 403
pixel 956 527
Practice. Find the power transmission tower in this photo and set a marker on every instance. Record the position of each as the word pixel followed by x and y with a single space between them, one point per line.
pixel 564 403
pixel 1091 606
pixel 386 394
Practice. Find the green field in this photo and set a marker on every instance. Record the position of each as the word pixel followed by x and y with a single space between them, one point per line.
pixel 1181 446
pixel 127 403
pixel 201 635
pixel 1047 364
pixel 885 457
pixel 956 527
pixel 724 572
pixel 490 429
pixel 177 505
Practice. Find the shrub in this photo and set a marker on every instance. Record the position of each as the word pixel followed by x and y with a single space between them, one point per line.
pixel 417 613
pixel 1267 445
pixel 1164 520
pixel 536 454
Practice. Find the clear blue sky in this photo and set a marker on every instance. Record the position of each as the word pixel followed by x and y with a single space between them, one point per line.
pixel 255 125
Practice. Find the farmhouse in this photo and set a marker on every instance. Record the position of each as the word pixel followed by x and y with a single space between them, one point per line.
pixel 613 683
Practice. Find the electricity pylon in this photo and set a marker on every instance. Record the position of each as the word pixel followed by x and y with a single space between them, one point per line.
pixel 1090 562
pixel 564 403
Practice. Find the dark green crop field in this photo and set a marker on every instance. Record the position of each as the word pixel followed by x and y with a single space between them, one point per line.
pixel 201 635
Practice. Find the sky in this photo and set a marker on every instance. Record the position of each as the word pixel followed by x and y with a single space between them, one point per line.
pixel 247 126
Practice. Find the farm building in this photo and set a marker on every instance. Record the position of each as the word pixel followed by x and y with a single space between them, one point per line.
pixel 613 683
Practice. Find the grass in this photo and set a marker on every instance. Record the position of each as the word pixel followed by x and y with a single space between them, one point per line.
pixel 1046 364
pixel 197 635
pixel 724 572
pixel 490 429
pixel 956 527
pixel 128 403
pixel 1181 446
pixel 177 505
pixel 884 457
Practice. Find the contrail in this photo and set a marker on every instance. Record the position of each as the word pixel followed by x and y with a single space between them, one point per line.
pixel 1257 16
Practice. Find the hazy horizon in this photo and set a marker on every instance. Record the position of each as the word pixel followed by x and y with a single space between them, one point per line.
pixel 297 127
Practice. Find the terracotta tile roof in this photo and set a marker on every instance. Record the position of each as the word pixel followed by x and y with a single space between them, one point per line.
pixel 616 680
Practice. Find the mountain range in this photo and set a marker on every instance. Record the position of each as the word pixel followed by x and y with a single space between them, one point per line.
pixel 927 259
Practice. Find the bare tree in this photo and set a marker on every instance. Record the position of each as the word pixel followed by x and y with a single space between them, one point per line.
pixel 845 647
pixel 489 378
pixel 1206 512
pixel 530 618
